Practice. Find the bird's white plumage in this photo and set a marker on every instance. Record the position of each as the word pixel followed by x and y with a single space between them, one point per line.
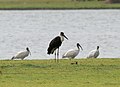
pixel 93 54
pixel 72 53
pixel 21 54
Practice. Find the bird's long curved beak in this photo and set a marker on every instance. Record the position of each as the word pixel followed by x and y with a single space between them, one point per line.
pixel 65 37
pixel 29 52
pixel 81 47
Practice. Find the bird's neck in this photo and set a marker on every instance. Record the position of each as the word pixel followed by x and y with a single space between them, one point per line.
pixel 78 47
pixel 98 49
pixel 62 38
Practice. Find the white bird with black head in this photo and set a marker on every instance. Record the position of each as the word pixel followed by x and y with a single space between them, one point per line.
pixel 22 54
pixel 94 53
pixel 72 53
pixel 55 44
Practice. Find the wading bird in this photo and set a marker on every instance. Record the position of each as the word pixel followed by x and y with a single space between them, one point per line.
pixel 55 44
pixel 22 54
pixel 94 53
pixel 72 53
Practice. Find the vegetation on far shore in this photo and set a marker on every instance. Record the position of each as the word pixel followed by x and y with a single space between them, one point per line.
pixel 47 73
pixel 56 4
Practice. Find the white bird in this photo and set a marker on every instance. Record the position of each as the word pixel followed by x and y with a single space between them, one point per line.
pixel 94 53
pixel 22 54
pixel 72 53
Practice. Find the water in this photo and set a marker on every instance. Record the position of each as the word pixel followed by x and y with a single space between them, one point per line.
pixel 35 29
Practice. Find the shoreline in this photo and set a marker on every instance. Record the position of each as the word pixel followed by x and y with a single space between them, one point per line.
pixel 57 8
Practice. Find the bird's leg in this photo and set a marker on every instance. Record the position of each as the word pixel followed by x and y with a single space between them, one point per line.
pixel 55 55
pixel 58 55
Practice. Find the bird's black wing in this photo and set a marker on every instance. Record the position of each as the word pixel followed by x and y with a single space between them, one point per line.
pixel 54 44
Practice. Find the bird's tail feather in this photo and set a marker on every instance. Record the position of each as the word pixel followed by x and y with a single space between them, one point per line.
pixel 50 50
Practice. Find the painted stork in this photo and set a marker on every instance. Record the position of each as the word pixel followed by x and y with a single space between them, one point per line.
pixel 72 53
pixel 55 44
pixel 22 54
pixel 94 53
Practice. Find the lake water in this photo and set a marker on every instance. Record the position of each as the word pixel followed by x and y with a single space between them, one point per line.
pixel 35 29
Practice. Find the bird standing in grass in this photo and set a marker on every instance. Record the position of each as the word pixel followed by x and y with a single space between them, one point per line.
pixel 94 53
pixel 22 54
pixel 72 53
pixel 55 44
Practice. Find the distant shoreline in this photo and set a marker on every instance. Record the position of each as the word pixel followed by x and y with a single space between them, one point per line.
pixel 56 5
pixel 56 8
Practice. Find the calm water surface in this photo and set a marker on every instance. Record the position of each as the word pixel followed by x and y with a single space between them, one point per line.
pixel 35 29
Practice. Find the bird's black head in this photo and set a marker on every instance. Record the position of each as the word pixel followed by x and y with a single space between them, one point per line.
pixel 78 45
pixel 28 50
pixel 62 34
pixel 97 47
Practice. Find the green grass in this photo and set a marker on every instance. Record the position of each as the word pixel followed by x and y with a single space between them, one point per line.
pixel 54 4
pixel 47 73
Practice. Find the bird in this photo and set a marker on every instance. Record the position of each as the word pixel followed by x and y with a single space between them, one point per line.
pixel 72 53
pixel 94 53
pixel 55 44
pixel 22 54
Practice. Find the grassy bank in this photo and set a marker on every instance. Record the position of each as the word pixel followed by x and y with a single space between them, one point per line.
pixel 55 4
pixel 47 73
